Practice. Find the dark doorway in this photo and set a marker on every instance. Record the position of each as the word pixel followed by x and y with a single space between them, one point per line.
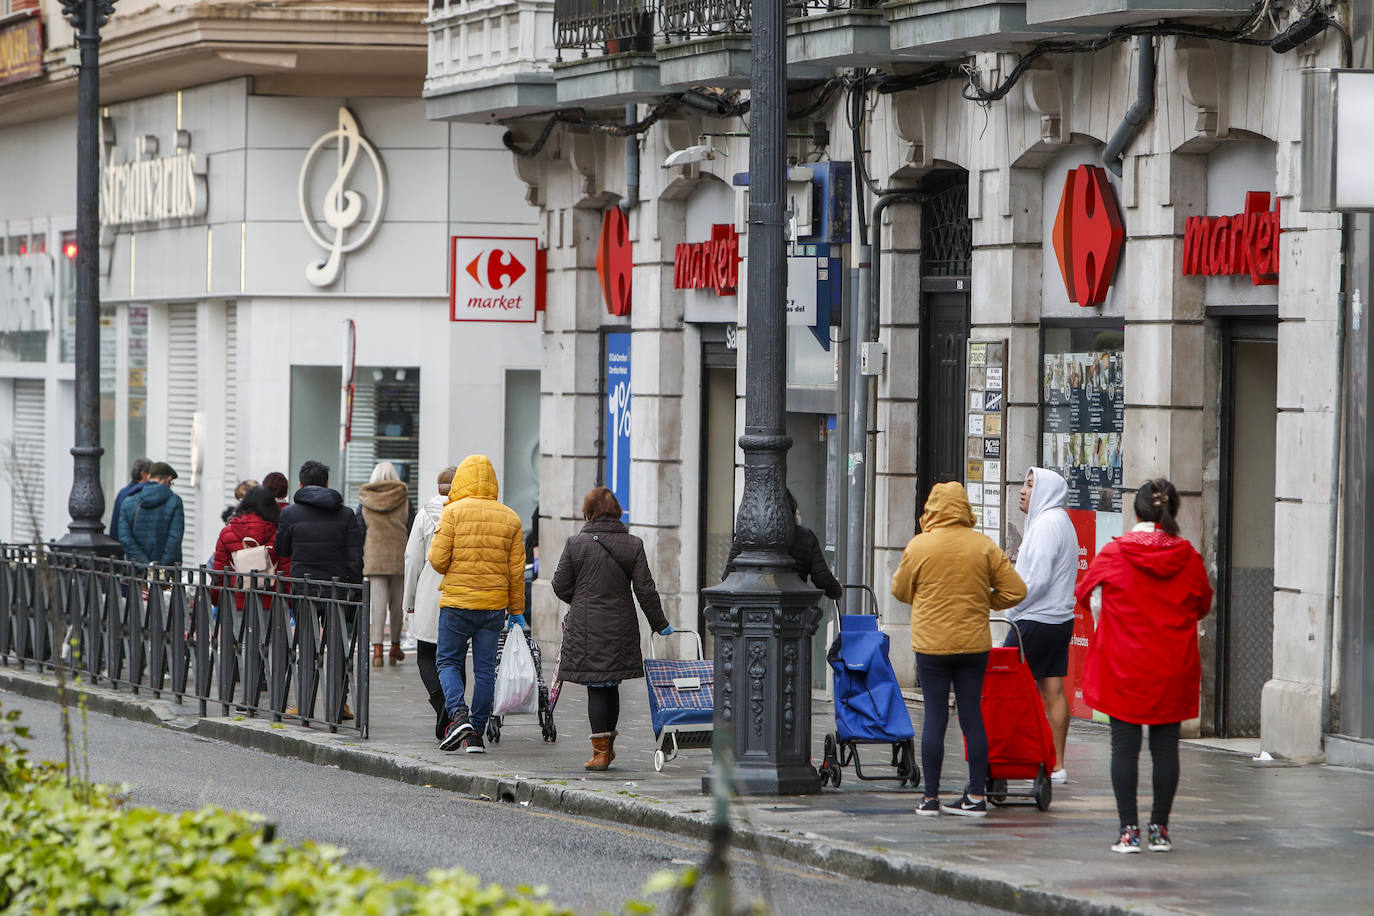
pixel 1245 600
pixel 946 256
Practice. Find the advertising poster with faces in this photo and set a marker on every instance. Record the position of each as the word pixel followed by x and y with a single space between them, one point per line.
pixel 1083 402
pixel 983 478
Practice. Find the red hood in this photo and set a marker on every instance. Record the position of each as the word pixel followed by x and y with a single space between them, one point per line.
pixel 1155 553
pixel 253 526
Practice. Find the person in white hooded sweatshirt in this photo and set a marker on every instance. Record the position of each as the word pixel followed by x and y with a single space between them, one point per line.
pixel 422 597
pixel 1048 563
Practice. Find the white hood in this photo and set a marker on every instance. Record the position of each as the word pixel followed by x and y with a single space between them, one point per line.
pixel 1048 562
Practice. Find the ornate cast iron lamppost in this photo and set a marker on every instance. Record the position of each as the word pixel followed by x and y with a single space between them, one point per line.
pixel 763 615
pixel 87 501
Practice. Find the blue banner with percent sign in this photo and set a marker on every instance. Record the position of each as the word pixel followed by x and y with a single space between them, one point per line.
pixel 616 455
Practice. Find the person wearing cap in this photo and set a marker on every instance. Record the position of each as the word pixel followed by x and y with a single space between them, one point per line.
pixel 152 520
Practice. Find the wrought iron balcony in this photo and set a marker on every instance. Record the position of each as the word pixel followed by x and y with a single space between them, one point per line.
pixel 610 26
pixel 687 19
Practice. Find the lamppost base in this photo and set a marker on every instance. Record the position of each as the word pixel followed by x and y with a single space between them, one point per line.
pixel 762 619
pixel 94 542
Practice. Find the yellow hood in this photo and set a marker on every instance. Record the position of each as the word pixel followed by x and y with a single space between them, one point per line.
pixel 476 477
pixel 947 506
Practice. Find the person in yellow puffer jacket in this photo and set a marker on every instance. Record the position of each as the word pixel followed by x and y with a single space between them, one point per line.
pixel 951 575
pixel 479 549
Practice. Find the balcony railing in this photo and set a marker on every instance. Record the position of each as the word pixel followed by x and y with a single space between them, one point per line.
pixel 684 19
pixel 613 26
pixel 272 646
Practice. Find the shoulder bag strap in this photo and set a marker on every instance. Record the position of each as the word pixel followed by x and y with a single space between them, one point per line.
pixel 627 570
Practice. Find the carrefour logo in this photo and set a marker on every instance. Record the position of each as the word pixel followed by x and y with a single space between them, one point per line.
pixel 495 269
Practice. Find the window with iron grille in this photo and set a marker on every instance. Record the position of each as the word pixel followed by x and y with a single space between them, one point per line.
pixel 947 231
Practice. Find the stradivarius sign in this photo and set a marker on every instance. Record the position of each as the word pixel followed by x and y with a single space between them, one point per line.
pixel 151 188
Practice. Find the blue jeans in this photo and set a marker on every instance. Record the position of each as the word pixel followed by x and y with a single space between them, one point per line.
pixel 457 628
pixel 965 674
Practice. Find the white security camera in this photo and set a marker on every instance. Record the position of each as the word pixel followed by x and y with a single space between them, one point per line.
pixel 688 155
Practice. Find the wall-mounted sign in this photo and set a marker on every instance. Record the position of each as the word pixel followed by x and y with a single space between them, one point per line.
pixel 27 285
pixel 1246 243
pixel 21 49
pixel 342 209
pixel 149 188
pixel 615 261
pixel 1088 235
pixel 494 278
pixel 713 264
pixel 986 434
pixel 616 389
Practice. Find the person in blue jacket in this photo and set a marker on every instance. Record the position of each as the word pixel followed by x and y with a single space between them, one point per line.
pixel 138 479
pixel 152 520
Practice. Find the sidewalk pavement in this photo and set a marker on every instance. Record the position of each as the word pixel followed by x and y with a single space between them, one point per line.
pixel 1249 837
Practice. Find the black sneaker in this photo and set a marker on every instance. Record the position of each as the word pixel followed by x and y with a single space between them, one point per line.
pixel 966 807
pixel 459 728
pixel 1129 841
pixel 929 807
pixel 1159 839
pixel 473 744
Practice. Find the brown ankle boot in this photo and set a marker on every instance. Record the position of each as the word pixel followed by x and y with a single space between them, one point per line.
pixel 603 751
pixel 397 653
pixel 376 655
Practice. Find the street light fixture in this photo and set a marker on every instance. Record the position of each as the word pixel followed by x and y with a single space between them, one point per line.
pixel 763 615
pixel 86 504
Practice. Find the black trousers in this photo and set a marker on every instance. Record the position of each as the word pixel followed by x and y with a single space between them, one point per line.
pixel 603 708
pixel 429 676
pixel 1126 764
pixel 965 674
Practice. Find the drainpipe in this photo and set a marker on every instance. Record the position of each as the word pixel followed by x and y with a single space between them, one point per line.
pixel 631 199
pixel 1333 521
pixel 859 512
pixel 1143 107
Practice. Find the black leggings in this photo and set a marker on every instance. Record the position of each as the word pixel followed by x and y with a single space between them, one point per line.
pixel 965 672
pixel 1126 765
pixel 429 675
pixel 603 708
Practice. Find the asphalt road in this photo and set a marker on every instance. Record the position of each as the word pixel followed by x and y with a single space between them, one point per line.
pixel 407 830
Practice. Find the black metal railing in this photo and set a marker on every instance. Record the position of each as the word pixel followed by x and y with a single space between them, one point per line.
pixel 259 645
pixel 612 26
pixel 696 18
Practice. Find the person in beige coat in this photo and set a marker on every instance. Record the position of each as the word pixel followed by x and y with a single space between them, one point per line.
pixel 951 575
pixel 385 511
pixel 422 597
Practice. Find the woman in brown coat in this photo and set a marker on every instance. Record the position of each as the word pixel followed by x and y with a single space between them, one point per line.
pixel 600 574
pixel 386 514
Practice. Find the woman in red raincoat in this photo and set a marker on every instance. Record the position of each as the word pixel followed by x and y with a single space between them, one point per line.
pixel 1150 589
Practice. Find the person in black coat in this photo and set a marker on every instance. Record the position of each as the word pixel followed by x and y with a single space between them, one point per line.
pixel 807 558
pixel 323 538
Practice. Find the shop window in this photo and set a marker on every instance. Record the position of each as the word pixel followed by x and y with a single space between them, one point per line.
pixel 1082 405
pixel 64 295
pixel 386 427
pixel 27 286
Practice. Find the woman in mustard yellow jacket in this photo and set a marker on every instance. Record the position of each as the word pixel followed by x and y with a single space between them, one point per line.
pixel 951 575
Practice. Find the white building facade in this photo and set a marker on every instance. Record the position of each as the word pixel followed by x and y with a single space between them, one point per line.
pixel 1021 326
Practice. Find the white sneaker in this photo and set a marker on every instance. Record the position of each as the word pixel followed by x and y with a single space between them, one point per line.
pixel 1059 776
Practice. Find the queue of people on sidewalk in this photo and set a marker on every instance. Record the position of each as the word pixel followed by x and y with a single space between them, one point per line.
pixel 1146 590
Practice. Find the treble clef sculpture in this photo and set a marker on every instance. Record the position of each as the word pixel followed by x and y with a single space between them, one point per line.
pixel 343 208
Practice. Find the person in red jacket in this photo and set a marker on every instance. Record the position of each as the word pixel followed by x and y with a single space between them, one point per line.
pixel 1148 590
pixel 255 519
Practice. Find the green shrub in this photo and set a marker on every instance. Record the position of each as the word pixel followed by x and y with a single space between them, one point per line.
pixel 71 848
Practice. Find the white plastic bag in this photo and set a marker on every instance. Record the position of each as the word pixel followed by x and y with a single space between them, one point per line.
pixel 517 686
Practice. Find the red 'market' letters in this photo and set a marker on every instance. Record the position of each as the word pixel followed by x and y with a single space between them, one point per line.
pixel 713 264
pixel 1245 243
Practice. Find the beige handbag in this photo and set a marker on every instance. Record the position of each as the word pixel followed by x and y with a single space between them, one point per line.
pixel 253 558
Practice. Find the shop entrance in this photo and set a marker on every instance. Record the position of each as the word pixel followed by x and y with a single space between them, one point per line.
pixel 946 263
pixel 1245 603
pixel 717 511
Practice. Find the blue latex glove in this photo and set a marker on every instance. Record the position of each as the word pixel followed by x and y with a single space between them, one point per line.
pixel 666 631
pixel 515 620
pixel 536 566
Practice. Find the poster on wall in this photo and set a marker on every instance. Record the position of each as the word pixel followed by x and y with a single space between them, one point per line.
pixel 615 469
pixel 1082 402
pixel 986 434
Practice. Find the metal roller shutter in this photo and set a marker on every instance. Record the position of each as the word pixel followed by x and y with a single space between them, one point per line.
pixel 26 473
pixel 232 473
pixel 183 382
